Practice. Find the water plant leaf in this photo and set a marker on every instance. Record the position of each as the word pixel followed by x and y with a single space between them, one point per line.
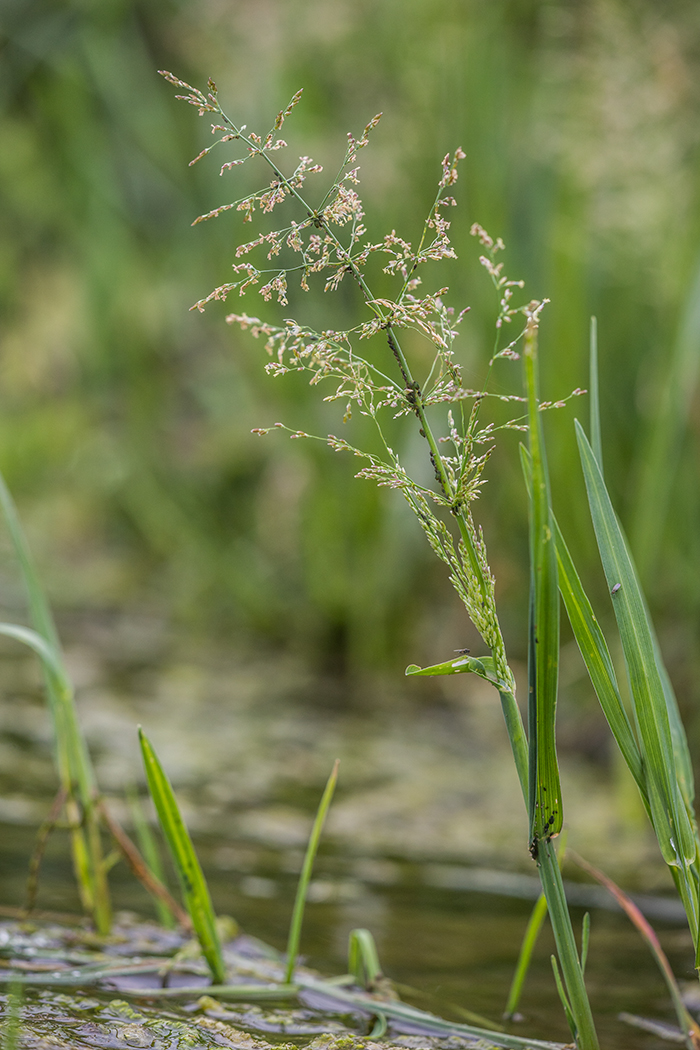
pixel 594 650
pixel 363 958
pixel 564 999
pixel 427 1022
pixel 380 1026
pixel 594 395
pixel 545 808
pixel 545 805
pixel 669 813
pixel 195 891
pixel 305 877
pixel 596 656
pixel 71 755
pixel 237 992
pixel 585 939
pixel 46 653
pixel 532 932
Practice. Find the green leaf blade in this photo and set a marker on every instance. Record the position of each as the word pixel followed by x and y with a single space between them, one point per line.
pixel 596 656
pixel 195 891
pixel 672 824
pixel 545 804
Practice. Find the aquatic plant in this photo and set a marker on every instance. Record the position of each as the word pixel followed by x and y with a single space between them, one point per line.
pixel 327 237
pixel 78 791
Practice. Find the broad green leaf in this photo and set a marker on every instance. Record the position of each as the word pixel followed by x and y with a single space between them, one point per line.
pixel 543 663
pixel 673 827
pixel 195 892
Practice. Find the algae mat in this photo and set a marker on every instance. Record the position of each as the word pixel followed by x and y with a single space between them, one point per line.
pixel 147 987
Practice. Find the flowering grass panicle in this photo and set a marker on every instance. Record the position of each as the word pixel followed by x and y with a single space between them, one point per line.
pixel 328 238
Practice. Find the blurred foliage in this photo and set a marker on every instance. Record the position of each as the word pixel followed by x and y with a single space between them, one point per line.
pixel 125 420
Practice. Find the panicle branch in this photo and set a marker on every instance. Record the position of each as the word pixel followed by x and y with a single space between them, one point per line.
pixel 330 239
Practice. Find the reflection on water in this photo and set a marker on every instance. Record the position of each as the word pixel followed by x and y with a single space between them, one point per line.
pixel 427 792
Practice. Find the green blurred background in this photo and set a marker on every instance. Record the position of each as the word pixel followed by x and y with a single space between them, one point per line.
pixel 125 420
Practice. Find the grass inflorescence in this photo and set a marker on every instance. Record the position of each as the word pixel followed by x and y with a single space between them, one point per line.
pixel 327 237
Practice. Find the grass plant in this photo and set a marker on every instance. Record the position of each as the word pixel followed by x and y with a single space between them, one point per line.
pixel 327 236
pixel 73 762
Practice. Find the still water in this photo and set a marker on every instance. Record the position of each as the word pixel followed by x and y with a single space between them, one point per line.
pixel 426 819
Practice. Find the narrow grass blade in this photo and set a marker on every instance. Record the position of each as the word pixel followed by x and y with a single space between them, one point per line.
pixel 363 958
pixel 72 759
pixel 461 1011
pixel 681 751
pixel 593 394
pixel 39 607
pixel 596 656
pixel 243 993
pixel 593 648
pixel 305 877
pixel 563 997
pixel 532 932
pixel 669 814
pixel 543 665
pixel 545 807
pixel 195 891
pixel 423 1020
pixel 41 647
pixel 687 1023
pixel 380 1026
pixel 585 939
